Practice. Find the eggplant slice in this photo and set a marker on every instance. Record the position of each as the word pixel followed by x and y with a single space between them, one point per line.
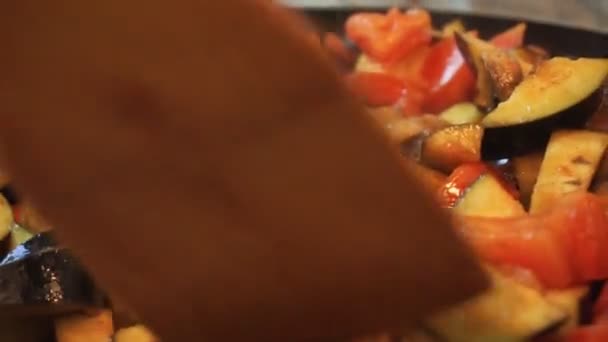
pixel 571 160
pixel 563 93
pixel 41 278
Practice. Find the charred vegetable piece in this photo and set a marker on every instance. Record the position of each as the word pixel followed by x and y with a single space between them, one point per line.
pixel 450 147
pixel 504 70
pixel 462 113
pixel 96 327
pixel 38 277
pixel 452 27
pixel 529 58
pixel 138 333
pixel 570 162
pixel 563 93
pixel 509 311
pixel 526 171
pixel 472 49
pixel 511 38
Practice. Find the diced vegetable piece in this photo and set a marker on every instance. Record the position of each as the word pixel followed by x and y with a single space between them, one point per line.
pixel 6 218
pixel 511 38
pixel 563 93
pixel 563 247
pixel 90 328
pixel 472 49
pixel 504 70
pixel 19 235
pixel 526 171
pixel 558 84
pixel 529 58
pixel 452 27
pixel 509 311
pixel 488 197
pixel 450 147
pixel 138 333
pixel 405 128
pixel 390 37
pixel 448 76
pixel 462 113
pixel 570 162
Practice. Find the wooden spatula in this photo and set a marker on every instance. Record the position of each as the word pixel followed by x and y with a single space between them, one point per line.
pixel 205 162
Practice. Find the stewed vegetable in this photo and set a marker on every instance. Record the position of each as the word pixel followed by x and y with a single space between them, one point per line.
pixel 523 138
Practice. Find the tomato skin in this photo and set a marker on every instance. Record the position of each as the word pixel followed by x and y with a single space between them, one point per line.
pixel 586 237
pixel 511 38
pixel 376 89
pixel 390 37
pixel 564 247
pixel 519 242
pixel 449 77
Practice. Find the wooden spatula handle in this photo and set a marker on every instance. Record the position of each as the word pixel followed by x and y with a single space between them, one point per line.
pixel 206 163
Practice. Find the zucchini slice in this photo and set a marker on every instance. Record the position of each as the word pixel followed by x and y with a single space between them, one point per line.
pixel 462 113
pixel 570 162
pixel 488 197
pixel 509 312
pixel 452 146
pixel 563 93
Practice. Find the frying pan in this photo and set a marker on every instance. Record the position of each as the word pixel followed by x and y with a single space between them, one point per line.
pixel 558 40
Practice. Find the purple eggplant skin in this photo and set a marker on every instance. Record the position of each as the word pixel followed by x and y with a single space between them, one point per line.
pixel 39 278
pixel 516 140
